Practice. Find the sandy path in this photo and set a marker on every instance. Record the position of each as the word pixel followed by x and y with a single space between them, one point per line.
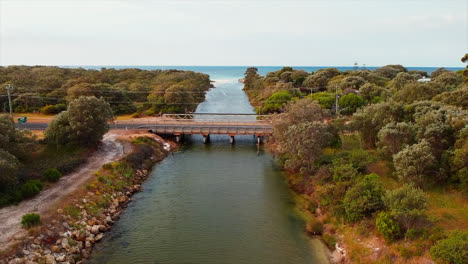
pixel 10 217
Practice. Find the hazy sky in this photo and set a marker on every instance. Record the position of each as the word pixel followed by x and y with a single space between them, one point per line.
pixel 234 32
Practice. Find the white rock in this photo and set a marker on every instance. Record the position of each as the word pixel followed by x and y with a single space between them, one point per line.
pixel 60 257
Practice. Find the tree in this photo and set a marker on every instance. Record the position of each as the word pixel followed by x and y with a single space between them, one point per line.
pixel 448 79
pixel 301 122
pixel 350 103
pixel 457 97
pixel 369 120
pixel 414 163
pixel 179 98
pixel 364 198
pixel 438 72
pixel 84 122
pixel 406 204
pixel 324 99
pixel 390 71
pixel 319 79
pixel 15 141
pixel 306 147
pixel 388 227
pixel 452 249
pixel 394 136
pixel 251 76
pixel 276 102
pixel 353 82
pixel 464 58
pixel 373 93
pixel 401 80
pixel 9 166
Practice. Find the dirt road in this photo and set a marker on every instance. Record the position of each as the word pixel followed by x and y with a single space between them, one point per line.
pixel 10 217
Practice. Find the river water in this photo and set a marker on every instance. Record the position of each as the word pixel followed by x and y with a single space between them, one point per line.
pixel 216 203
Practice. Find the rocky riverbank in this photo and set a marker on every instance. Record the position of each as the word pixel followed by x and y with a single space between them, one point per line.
pixel 68 234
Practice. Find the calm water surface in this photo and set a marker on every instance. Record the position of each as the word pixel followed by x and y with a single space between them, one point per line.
pixel 214 203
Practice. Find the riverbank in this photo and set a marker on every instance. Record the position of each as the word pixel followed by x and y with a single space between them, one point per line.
pixel 76 219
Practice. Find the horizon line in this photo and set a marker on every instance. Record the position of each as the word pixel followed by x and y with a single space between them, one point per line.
pixel 143 65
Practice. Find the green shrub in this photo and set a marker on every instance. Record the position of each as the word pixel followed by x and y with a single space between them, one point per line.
pixel 276 102
pixel 452 249
pixel 325 100
pixel 350 103
pixel 30 220
pixel 52 175
pixel 31 188
pixel 330 241
pixel 364 198
pixel 388 227
pixel 53 109
pixel 107 166
pixel 315 227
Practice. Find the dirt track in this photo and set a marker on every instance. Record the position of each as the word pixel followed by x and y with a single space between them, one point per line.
pixel 10 217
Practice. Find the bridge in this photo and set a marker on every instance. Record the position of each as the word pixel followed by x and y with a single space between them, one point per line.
pixel 204 124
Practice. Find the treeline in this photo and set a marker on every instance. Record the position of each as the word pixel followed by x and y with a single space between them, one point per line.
pixel 143 92
pixel 372 168
pixel 354 88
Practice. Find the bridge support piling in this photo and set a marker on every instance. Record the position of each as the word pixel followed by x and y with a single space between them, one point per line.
pixel 206 138
pixel 231 138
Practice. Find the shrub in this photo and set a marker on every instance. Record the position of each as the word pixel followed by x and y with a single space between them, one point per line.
pixel 52 175
pixel 452 249
pixel 388 227
pixel 344 172
pixel 30 220
pixel 408 205
pixel 414 163
pixel 350 103
pixel 364 198
pixel 330 241
pixel 324 99
pixel 315 227
pixel 276 102
pixel 31 188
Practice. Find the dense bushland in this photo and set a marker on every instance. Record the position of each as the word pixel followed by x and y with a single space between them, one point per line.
pixel 48 89
pixel 397 144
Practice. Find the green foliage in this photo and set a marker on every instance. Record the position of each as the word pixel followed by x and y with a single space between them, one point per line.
pixel 31 188
pixel 388 227
pixel 324 99
pixel 343 172
pixel 30 220
pixel 84 123
pixel 408 205
pixel 39 86
pixel 452 250
pixel 276 102
pixel 330 241
pixel 52 175
pixel 364 198
pixel 350 103
pixel 394 136
pixel 414 163
pixel 371 119
pixel 53 109
pixel 9 166
pixel 457 97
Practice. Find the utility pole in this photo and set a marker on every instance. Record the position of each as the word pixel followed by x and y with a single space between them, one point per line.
pixel 9 87
pixel 337 107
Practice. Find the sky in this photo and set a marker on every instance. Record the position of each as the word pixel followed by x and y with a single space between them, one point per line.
pixel 234 32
